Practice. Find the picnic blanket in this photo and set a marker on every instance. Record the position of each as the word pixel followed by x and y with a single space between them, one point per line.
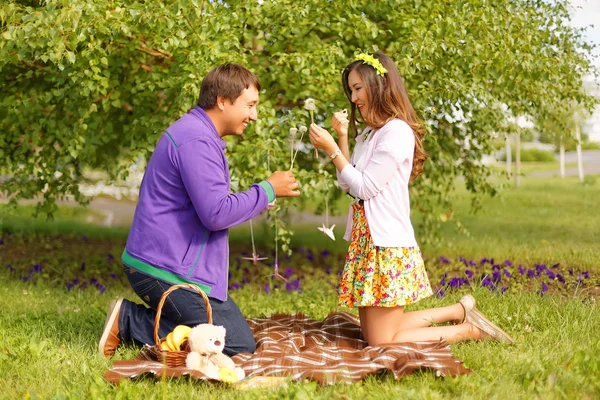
pixel 329 351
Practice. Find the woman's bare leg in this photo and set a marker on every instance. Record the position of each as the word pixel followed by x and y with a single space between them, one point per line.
pixel 382 324
pixel 425 318
pixel 363 323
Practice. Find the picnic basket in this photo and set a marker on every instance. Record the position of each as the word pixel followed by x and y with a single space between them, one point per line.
pixel 171 358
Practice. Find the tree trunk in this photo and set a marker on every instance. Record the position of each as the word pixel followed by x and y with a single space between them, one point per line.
pixel 518 158
pixel 579 156
pixel 508 156
pixel 562 159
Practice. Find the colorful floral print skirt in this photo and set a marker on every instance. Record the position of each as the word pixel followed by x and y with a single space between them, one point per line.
pixel 380 276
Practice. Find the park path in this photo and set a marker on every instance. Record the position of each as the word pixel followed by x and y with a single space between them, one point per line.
pixel 120 212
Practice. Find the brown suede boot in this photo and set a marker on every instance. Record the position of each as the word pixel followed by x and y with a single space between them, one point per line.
pixel 110 335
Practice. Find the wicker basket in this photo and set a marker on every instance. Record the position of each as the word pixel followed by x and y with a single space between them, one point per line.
pixel 171 358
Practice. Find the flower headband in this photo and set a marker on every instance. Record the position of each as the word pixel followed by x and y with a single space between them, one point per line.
pixel 373 62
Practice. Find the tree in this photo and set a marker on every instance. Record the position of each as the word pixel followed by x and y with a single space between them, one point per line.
pixel 93 84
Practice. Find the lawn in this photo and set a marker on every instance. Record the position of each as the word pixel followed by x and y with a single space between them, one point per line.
pixel 61 276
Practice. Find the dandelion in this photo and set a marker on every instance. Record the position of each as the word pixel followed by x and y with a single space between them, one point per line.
pixel 310 106
pixel 293 132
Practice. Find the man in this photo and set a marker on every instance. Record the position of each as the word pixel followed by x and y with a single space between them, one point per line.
pixel 180 227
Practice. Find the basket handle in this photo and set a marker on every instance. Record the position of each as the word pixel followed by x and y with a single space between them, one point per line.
pixel 164 298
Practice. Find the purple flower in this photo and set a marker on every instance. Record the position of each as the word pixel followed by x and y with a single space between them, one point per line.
pixel 10 268
pixel 101 289
pixel 76 281
pixel 570 272
pixel 487 281
pixel 556 265
pixel 93 280
pixel 469 273
pixel 288 258
pixel 84 238
pixel 69 285
pixel 288 272
pixel 586 275
pixel 440 293
pixel 506 273
pixel 246 279
pixel 36 268
pixel 293 285
pixel 82 266
pixel 310 256
pixel 267 288
pixel 508 263
pixel 114 276
pixel 550 274
pixel 483 261
pixel 444 260
pixel 530 273
pixel 110 258
pixel 25 278
pixel 496 276
pixel 521 269
pixel 84 284
pixel 339 273
pixel 503 289
pixel 496 267
pixel 544 287
pixel 328 271
pixel 236 286
pixel 325 253
pixel 472 263
pixel 560 278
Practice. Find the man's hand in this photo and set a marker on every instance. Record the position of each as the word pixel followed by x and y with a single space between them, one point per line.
pixel 284 184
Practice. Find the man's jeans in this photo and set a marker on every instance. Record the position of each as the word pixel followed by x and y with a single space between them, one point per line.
pixel 182 307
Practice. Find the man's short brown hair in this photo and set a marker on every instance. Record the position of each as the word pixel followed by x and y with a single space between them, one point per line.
pixel 227 80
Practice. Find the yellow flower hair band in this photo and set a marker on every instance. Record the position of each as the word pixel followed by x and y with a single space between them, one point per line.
pixel 373 62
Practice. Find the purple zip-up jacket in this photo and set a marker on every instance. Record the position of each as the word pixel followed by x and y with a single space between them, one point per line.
pixel 180 227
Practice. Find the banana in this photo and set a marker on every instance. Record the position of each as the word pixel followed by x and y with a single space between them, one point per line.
pixel 170 342
pixel 164 346
pixel 180 333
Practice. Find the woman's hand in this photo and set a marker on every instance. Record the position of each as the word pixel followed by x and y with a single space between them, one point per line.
pixel 322 139
pixel 339 123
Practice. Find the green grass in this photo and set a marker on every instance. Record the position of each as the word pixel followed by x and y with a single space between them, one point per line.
pixel 48 334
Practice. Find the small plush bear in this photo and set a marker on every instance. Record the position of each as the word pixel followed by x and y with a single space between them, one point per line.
pixel 206 343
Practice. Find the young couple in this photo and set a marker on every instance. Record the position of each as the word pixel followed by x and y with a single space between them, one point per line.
pixel 185 208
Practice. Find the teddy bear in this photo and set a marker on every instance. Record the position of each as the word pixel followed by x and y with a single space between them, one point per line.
pixel 206 343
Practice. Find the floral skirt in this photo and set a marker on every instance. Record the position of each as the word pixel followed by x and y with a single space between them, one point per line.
pixel 380 276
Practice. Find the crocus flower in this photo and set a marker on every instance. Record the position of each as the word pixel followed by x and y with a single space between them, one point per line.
pixel 506 273
pixel 469 273
pixel 508 263
pixel 267 288
pixel 444 260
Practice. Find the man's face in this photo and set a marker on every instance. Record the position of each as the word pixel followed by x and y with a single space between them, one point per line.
pixel 238 114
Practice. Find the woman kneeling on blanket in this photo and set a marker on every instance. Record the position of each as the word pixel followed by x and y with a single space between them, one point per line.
pixel 384 268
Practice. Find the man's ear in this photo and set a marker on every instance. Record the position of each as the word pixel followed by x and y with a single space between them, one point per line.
pixel 221 101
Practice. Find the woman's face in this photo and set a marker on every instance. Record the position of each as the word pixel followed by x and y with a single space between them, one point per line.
pixel 358 91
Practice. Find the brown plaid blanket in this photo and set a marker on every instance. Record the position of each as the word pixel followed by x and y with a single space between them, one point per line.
pixel 328 351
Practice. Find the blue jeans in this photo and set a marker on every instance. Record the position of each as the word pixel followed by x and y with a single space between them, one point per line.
pixel 182 307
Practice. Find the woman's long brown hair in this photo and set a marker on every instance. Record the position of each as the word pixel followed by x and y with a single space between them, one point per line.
pixel 388 99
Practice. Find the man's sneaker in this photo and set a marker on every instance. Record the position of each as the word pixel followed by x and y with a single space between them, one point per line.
pixel 110 335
